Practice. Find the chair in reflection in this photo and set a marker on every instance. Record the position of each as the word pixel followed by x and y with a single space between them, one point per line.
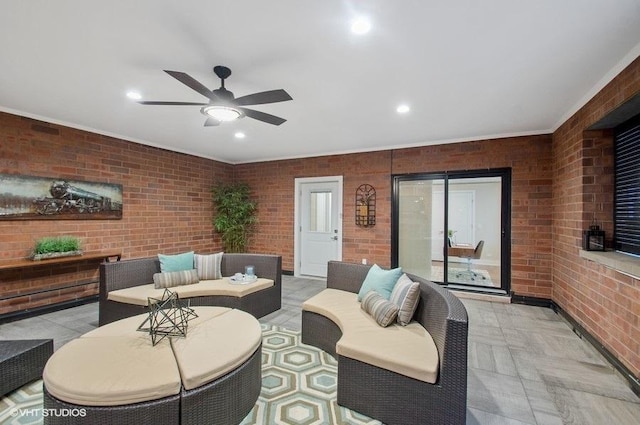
pixel 472 255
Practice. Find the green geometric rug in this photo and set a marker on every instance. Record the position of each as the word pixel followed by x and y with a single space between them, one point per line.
pixel 298 388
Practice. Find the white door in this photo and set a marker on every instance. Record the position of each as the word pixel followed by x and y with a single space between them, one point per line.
pixel 319 225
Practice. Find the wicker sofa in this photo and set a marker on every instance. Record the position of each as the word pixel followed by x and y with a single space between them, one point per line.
pixel 383 394
pixel 123 274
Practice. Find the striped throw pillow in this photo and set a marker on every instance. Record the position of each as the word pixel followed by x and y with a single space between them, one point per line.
pixel 209 266
pixel 405 295
pixel 384 312
pixel 171 279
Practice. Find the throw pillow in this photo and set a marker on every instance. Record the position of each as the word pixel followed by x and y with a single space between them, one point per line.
pixel 209 266
pixel 176 263
pixel 405 295
pixel 384 312
pixel 379 280
pixel 171 279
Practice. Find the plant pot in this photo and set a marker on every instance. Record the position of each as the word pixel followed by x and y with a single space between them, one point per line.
pixel 48 255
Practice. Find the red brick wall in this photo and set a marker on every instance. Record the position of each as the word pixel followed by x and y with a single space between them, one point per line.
pixel 273 185
pixel 166 197
pixel 603 301
pixel 529 158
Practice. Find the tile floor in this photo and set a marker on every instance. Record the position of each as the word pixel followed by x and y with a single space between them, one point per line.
pixel 526 365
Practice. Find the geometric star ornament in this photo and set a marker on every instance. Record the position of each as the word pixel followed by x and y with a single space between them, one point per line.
pixel 168 316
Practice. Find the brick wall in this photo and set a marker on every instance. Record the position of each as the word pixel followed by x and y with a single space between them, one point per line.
pixel 529 158
pixel 166 197
pixel 603 301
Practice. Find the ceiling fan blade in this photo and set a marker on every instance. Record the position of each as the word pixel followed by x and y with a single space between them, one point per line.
pixel 270 96
pixel 261 116
pixel 192 83
pixel 211 122
pixel 153 102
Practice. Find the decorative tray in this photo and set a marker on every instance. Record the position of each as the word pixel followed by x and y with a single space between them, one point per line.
pixel 242 279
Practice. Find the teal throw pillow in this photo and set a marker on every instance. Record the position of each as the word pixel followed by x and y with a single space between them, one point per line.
pixel 380 280
pixel 176 263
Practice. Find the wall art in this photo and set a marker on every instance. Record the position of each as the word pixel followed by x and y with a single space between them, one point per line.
pixel 34 198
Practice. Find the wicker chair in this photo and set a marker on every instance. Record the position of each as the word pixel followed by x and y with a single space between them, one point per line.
pixel 389 396
pixel 128 273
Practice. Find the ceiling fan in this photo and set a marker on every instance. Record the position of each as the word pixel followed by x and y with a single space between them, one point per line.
pixel 223 106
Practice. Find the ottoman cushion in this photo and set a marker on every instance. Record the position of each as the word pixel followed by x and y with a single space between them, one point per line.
pixel 217 347
pixel 112 371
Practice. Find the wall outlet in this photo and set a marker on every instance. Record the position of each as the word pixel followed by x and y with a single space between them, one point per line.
pixel 364 261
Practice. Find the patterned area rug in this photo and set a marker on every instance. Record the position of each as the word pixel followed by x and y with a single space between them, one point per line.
pixel 298 388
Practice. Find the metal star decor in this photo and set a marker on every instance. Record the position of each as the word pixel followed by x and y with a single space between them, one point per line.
pixel 168 316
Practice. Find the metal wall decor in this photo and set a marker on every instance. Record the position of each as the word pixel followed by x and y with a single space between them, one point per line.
pixel 33 198
pixel 365 205
pixel 168 316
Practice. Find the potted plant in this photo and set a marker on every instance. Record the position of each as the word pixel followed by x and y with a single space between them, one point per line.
pixel 235 215
pixel 56 246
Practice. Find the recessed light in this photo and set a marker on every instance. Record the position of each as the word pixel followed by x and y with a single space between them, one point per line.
pixel 360 25
pixel 134 95
pixel 403 109
pixel 240 135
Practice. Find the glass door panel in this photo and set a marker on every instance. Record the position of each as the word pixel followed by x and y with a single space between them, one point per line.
pixel 420 227
pixel 452 228
pixel 475 231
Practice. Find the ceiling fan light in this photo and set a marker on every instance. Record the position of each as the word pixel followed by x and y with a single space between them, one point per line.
pixel 222 113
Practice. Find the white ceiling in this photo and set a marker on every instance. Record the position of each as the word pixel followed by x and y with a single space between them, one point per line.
pixel 468 69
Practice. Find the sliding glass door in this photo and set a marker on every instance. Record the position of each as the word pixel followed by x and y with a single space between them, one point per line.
pixel 453 228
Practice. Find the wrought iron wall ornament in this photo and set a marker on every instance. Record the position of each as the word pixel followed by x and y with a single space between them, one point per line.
pixel 168 316
pixel 365 205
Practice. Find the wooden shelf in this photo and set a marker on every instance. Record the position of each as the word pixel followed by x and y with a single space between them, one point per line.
pixel 95 255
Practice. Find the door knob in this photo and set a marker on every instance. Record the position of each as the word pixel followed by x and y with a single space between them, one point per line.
pixel 335 238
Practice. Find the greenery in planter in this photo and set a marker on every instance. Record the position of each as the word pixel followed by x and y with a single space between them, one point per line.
pixel 56 246
pixel 235 215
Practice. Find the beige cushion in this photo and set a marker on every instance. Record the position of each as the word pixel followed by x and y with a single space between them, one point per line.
pixel 216 346
pixel 112 371
pixel 138 295
pixel 407 350
pixel 128 326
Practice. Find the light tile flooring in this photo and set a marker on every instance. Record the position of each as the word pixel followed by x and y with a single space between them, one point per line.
pixel 526 365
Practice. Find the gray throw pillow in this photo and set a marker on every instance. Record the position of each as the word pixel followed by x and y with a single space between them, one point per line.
pixel 171 279
pixel 209 266
pixel 383 311
pixel 405 295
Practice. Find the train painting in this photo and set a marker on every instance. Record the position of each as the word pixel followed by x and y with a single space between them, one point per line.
pixel 29 197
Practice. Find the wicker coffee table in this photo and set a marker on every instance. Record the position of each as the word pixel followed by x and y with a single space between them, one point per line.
pixel 22 361
pixel 114 374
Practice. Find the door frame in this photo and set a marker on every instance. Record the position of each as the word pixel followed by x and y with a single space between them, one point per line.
pixel 505 216
pixel 299 181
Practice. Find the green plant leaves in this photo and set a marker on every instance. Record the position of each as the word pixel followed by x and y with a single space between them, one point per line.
pixel 57 244
pixel 235 215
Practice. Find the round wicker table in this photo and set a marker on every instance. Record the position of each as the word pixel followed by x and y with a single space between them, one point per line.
pixel 114 374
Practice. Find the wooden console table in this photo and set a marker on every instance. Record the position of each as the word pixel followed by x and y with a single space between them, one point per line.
pixel 93 255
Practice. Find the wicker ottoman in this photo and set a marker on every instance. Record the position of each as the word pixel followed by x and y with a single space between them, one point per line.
pixel 115 375
pixel 22 361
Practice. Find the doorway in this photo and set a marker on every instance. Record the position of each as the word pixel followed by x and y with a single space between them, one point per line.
pixel 318 224
pixel 454 228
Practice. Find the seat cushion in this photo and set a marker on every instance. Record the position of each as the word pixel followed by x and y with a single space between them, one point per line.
pixel 407 350
pixel 139 295
pixel 130 370
pixel 216 346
